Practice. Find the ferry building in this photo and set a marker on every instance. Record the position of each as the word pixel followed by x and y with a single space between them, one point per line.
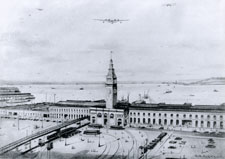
pixel 111 112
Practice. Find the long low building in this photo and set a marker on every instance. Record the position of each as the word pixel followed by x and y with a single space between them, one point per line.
pixel 197 117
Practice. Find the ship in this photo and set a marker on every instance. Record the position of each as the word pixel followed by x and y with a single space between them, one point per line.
pixel 11 96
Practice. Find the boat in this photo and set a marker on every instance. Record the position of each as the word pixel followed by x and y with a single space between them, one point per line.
pixel 168 91
pixel 11 96
pixel 215 90
pixel 81 88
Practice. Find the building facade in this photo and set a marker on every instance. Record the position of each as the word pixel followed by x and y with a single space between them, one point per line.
pixel 109 116
pixel 181 117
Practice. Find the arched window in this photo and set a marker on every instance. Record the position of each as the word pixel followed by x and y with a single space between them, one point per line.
pixel 165 115
pixel 184 115
pixel 138 114
pixel 159 114
pixel 208 124
pixel 99 115
pixel 208 116
pixel 165 122
pixel 105 115
pixel 111 115
pixel 214 124
pixel 196 116
pixel 196 123
pixel 177 122
pixel 139 120
pixel 143 120
pixel 160 122
pixel 134 120
pixel 130 120
pixel 149 120
pixel 143 114
pixel 221 125
pixel 171 122
pixel 202 124
pixel 214 117
pixel 171 115
pixel 153 121
pixel 177 115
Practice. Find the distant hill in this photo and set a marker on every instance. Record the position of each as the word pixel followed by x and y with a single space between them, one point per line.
pixel 210 81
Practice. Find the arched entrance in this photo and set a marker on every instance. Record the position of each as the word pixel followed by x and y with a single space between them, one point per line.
pixel 93 120
pixel 119 122
pixel 105 119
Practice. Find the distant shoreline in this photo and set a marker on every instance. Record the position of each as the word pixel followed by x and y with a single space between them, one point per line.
pixel 208 81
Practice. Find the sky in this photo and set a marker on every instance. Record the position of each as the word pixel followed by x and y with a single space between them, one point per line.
pixel 62 42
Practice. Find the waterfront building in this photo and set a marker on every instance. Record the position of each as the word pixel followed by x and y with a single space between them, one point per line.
pixel 111 112
pixel 29 112
pixel 110 115
pixel 73 109
pixel 172 116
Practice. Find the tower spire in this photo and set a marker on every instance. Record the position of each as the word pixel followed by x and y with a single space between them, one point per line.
pixel 111 85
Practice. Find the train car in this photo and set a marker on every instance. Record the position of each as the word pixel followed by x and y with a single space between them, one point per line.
pixel 91 132
pixel 117 127
pixel 53 136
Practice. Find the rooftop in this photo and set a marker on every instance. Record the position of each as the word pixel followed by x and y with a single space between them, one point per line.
pixel 178 107
pixel 81 103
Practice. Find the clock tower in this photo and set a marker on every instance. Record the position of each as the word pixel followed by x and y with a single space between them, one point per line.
pixel 111 87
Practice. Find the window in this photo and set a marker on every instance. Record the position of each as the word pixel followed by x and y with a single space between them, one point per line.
pixel 143 114
pixel 148 114
pixel 171 115
pixel 138 114
pixel 177 115
pixel 214 117
pixel 221 117
pixel 99 115
pixel 165 115
pixel 160 122
pixel 143 120
pixel 221 125
pixel 208 124
pixel 196 116
pixel 139 120
pixel 184 115
pixel 208 116
pixel 190 116
pixel 159 114
pixel 202 116
pixel 111 115
pixel 153 114
pixel 130 113
pixel 130 120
